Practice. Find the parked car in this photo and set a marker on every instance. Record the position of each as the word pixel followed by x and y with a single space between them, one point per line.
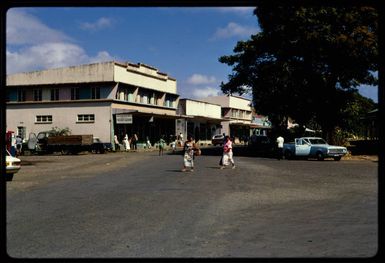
pixel 313 147
pixel 100 147
pixel 13 165
pixel 261 144
pixel 217 139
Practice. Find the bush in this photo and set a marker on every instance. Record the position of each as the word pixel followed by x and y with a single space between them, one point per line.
pixel 56 131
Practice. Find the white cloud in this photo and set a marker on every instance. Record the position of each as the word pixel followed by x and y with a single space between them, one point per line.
pixel 50 55
pixel 234 30
pixel 198 79
pixel 205 92
pixel 23 28
pixel 31 45
pixel 100 24
pixel 237 9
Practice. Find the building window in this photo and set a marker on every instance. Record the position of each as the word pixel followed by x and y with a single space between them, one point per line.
pixel 20 95
pixel 54 94
pixel 74 93
pixel 95 93
pixel 86 118
pixel 43 119
pixel 37 94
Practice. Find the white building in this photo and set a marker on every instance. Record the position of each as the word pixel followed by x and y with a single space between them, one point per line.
pixel 200 119
pixel 237 115
pixel 102 99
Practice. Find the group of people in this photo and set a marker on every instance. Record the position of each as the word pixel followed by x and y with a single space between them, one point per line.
pixel 191 149
pixel 128 142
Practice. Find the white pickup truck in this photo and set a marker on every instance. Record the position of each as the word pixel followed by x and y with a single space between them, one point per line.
pixel 313 147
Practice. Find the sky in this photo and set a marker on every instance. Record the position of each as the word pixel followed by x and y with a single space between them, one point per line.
pixel 184 42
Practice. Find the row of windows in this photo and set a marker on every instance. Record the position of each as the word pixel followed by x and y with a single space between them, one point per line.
pixel 242 114
pixel 144 98
pixel 38 94
pixel 80 118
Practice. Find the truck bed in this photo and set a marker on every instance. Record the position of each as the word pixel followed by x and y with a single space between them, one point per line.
pixel 70 140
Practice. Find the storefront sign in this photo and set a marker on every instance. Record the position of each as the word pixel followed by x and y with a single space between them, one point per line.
pixel 124 118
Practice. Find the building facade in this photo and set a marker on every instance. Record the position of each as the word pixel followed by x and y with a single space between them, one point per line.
pixel 237 115
pixel 103 99
pixel 200 119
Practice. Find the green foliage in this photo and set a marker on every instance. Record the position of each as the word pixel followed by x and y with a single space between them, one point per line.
pixel 56 131
pixel 306 62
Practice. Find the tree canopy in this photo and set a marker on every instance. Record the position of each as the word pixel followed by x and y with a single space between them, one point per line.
pixel 306 61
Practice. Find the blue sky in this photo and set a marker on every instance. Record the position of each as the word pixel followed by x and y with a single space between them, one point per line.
pixel 182 42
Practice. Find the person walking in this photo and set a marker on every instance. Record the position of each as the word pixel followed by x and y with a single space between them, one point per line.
pixel 227 157
pixel 188 154
pixel 161 145
pixel 280 141
pixel 173 145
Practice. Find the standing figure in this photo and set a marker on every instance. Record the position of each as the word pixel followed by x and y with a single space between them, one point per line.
pixel 280 142
pixel 19 145
pixel 188 154
pixel 180 139
pixel 116 142
pixel 173 145
pixel 148 143
pixel 126 143
pixel 227 156
pixel 134 140
pixel 161 144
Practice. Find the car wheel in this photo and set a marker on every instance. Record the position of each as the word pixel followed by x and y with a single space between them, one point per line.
pixel 337 158
pixel 320 156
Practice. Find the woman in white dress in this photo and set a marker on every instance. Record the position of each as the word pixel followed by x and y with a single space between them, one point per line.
pixel 126 143
pixel 188 154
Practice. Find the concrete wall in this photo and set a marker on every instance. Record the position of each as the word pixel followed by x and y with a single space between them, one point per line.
pixel 63 115
pixel 223 101
pixel 240 103
pixel 146 77
pixel 199 108
pixel 230 102
pixel 99 72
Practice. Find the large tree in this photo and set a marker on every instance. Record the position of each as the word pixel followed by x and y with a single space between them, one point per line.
pixel 306 61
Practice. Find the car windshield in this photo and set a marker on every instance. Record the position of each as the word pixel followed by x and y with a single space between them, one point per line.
pixel 317 141
pixel 41 135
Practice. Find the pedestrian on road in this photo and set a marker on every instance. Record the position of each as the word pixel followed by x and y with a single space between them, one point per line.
pixel 173 145
pixel 188 154
pixel 161 145
pixel 280 141
pixel 227 157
